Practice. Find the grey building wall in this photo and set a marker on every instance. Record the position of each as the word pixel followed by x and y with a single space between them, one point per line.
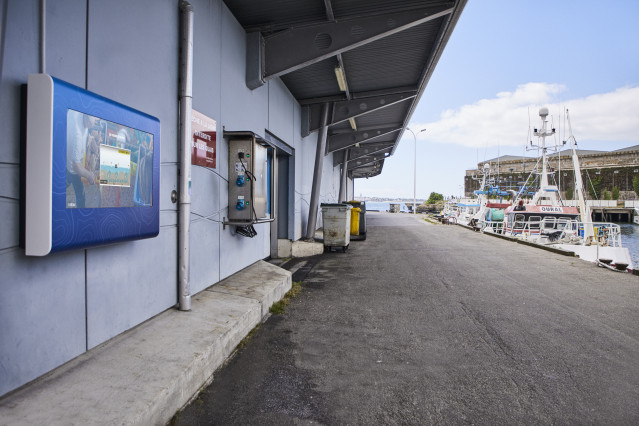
pixel 56 307
pixel 43 306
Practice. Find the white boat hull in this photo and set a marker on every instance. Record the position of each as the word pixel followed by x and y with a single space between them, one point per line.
pixel 594 253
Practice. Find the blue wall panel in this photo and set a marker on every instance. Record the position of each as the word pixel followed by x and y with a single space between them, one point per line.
pixel 238 252
pixel 10 181
pixel 42 314
pixel 9 226
pixel 205 227
pixel 207 58
pixel 242 108
pixel 205 194
pixel 168 184
pixel 43 299
pixel 281 107
pixel 19 58
pixel 204 250
pixel 205 197
pixel 132 59
pixel 128 283
pixel 66 40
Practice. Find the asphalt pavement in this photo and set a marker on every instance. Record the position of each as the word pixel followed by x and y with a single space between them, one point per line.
pixel 435 324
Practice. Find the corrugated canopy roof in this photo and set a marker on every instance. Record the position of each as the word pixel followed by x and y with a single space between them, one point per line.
pixel 385 51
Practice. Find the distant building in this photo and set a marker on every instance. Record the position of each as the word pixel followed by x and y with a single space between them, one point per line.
pixel 601 170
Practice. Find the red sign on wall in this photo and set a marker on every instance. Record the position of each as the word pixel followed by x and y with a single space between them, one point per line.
pixel 203 141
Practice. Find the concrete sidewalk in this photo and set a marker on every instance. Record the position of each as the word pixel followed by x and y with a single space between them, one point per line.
pixel 148 373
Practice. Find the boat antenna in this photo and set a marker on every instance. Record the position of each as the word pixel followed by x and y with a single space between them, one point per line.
pixel 558 134
pixel 498 171
pixel 529 138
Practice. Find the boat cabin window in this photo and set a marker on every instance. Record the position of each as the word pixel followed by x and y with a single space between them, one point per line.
pixel 563 222
pixel 549 222
pixel 534 222
pixel 520 221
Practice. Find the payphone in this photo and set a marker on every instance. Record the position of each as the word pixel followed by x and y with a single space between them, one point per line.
pixel 248 179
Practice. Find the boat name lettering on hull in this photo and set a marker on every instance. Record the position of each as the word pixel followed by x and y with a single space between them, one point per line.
pixel 552 209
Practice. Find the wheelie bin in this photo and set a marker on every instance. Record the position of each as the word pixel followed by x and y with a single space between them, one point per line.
pixel 361 232
pixel 336 220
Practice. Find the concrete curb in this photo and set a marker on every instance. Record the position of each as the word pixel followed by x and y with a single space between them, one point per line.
pixel 147 374
pixel 526 243
pixel 262 281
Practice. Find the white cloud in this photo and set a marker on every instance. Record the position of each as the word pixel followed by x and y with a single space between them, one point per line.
pixel 504 119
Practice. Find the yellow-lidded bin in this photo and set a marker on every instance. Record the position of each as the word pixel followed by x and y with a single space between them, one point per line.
pixel 355 220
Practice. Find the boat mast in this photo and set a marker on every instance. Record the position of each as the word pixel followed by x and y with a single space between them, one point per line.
pixel 584 209
pixel 483 181
pixel 482 194
pixel 546 191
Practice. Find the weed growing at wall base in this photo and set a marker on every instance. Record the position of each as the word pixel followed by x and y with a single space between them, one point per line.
pixel 279 308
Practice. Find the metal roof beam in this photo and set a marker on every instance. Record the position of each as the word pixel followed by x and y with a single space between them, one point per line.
pixel 344 140
pixel 366 172
pixel 338 157
pixel 329 10
pixel 358 164
pixel 360 95
pixel 345 110
pixel 379 152
pixel 289 50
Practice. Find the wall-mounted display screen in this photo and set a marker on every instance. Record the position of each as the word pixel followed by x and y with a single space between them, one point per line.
pixel 108 164
pixel 92 172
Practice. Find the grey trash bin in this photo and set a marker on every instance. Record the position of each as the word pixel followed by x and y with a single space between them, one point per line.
pixel 337 226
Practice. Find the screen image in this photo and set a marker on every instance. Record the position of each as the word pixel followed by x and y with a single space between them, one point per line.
pixel 107 164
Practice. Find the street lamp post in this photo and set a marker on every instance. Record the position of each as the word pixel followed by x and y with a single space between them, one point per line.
pixel 415 169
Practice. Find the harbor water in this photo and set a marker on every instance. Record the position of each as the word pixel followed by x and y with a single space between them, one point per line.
pixel 384 206
pixel 630 239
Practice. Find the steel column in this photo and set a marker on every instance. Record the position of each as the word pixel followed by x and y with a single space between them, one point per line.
pixel 274 202
pixel 343 178
pixel 317 175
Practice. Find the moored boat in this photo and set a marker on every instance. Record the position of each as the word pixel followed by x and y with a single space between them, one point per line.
pixel 546 220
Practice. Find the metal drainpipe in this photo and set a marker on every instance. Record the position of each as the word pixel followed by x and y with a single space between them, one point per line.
pixel 43 36
pixel 317 175
pixel 186 98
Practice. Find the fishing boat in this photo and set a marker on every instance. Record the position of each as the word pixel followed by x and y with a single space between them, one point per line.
pixel 487 213
pixel 546 220
pixel 466 209
pixel 449 213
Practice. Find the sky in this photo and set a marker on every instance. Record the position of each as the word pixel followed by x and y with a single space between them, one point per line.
pixel 505 59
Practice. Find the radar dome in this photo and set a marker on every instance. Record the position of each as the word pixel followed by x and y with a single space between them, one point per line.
pixel 543 112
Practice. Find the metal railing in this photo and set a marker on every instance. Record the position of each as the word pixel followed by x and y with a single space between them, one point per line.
pixel 551 230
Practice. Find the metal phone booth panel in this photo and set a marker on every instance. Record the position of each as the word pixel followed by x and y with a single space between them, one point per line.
pixel 247 180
